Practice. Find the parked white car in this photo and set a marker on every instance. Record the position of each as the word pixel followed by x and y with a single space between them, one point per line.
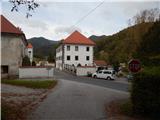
pixel 105 74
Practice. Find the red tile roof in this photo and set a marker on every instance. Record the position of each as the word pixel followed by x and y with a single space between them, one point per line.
pixel 8 27
pixel 29 45
pixel 77 38
pixel 100 62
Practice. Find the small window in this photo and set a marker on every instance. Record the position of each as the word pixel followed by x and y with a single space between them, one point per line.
pixel 87 58
pixel 76 58
pixel 68 57
pixel 87 48
pixel 107 72
pixel 68 48
pixel 100 72
pixel 4 69
pixel 29 51
pixel 76 48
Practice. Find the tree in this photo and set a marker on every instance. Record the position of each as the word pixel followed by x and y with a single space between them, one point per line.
pixel 50 58
pixel 33 63
pixel 26 61
pixel 150 15
pixel 149 50
pixel 30 5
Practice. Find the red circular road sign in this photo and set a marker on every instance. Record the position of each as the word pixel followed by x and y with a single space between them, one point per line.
pixel 134 65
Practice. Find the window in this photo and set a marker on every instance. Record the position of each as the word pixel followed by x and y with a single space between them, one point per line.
pixel 100 72
pixel 76 48
pixel 76 57
pixel 29 51
pixel 68 48
pixel 87 48
pixel 68 57
pixel 87 58
pixel 4 69
pixel 107 72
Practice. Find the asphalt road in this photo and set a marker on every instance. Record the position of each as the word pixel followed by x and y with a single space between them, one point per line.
pixel 100 82
pixel 72 100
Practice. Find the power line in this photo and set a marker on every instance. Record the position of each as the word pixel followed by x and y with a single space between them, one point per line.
pixel 82 18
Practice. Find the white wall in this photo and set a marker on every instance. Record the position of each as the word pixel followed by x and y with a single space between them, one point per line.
pixel 59 57
pixel 82 53
pixel 35 72
pixel 30 55
pixel 83 71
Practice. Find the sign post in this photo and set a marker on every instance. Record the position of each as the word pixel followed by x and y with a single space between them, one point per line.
pixel 134 65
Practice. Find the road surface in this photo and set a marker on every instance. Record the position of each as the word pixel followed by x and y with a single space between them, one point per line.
pixel 82 100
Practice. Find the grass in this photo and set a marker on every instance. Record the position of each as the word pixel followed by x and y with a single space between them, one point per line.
pixel 36 84
pixel 126 108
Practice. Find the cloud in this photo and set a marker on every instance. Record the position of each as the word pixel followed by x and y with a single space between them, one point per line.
pixel 53 20
pixel 66 29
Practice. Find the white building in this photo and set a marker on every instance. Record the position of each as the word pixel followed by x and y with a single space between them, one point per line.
pixel 13 48
pixel 30 52
pixel 75 50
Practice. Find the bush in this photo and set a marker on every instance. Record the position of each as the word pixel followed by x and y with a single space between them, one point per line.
pixel 145 92
pixel 89 74
pixel 26 61
pixel 33 63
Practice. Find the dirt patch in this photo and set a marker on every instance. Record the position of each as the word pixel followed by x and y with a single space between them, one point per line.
pixel 17 105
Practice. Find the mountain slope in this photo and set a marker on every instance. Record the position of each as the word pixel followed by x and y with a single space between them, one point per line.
pixel 122 46
pixel 43 47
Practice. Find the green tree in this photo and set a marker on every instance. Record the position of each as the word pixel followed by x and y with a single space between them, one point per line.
pixel 50 58
pixel 26 61
pixel 149 51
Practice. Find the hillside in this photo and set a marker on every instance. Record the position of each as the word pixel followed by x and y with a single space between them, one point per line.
pixel 124 45
pixel 133 42
pixel 95 38
pixel 43 47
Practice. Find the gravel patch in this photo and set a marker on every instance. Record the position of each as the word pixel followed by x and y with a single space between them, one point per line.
pixel 19 90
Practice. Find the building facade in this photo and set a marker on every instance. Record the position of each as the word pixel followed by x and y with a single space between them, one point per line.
pixel 75 50
pixel 13 48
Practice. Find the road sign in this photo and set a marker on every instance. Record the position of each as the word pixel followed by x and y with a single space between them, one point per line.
pixel 134 65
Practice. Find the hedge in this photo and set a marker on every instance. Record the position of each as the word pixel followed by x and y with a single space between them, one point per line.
pixel 145 92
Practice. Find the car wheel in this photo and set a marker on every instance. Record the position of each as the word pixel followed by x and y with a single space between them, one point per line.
pixel 95 76
pixel 108 78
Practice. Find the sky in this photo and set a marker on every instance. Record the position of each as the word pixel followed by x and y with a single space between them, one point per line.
pixel 55 20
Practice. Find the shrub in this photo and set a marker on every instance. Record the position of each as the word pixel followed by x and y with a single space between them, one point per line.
pixel 26 61
pixel 145 92
pixel 89 74
pixel 120 74
pixel 33 63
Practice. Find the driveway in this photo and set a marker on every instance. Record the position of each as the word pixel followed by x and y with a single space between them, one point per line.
pixel 72 100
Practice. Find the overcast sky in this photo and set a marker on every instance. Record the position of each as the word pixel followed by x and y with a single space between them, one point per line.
pixel 54 20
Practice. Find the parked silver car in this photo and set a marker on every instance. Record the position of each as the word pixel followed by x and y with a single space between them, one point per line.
pixel 105 74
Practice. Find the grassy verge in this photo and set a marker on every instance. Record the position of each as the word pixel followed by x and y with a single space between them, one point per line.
pixel 36 84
